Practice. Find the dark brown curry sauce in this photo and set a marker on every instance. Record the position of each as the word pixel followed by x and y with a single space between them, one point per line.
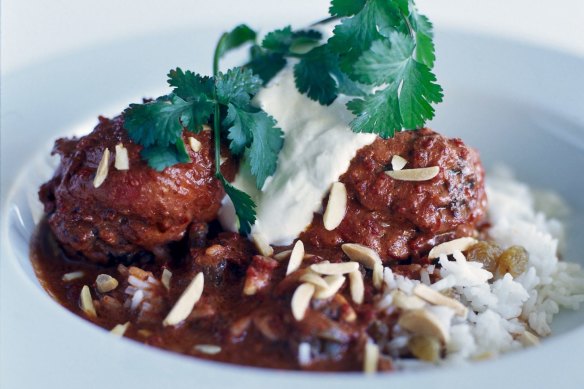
pixel 251 347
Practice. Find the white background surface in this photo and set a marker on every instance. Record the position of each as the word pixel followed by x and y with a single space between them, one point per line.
pixel 34 30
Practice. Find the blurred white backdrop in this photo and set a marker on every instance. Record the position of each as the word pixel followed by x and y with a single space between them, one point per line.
pixel 35 30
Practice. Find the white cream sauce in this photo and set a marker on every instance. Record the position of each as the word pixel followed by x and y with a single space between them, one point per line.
pixel 318 148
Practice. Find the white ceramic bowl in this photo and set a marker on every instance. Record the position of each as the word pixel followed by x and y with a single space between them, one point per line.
pixel 521 106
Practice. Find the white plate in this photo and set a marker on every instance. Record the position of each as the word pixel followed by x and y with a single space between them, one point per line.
pixel 519 105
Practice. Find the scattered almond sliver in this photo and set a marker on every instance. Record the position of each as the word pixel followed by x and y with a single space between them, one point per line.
pixel 186 302
pixel 448 248
pixel 348 314
pixel 120 329
pixel 314 279
pixel 296 257
pixel 336 207
pixel 528 339
pixel 72 276
pixel 437 298
pixel 86 302
pixel 357 287
pixel 419 174
pixel 301 300
pixel 122 161
pixel 378 276
pixel 195 144
pixel 106 283
pixel 102 169
pixel 262 245
pixel 334 283
pixel 165 278
pixel 398 162
pixel 422 322
pixel 282 255
pixel 362 254
pixel 406 302
pixel 370 358
pixel 334 268
pixel 209 349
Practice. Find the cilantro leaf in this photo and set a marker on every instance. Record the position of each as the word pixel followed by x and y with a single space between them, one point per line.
pixel 265 64
pixel 267 141
pixel 285 40
pixel 243 204
pixel 239 136
pixel 378 113
pixel 354 35
pixel 161 122
pixel 278 41
pixel 313 76
pixel 411 88
pixel 256 130
pixel 237 37
pixel 424 35
pixel 161 157
pixel 237 84
pixel 346 7
pixel 190 86
pixel 419 90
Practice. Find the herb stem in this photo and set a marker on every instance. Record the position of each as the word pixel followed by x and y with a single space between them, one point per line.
pixel 217 113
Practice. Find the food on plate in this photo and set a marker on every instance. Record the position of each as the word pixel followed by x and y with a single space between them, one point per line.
pixel 132 210
pixel 296 213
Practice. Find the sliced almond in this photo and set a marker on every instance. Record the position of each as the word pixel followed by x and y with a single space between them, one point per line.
pixel 348 314
pixel 122 161
pixel 334 268
pixel 336 207
pixel 437 298
pixel 420 174
pixel 528 339
pixel 262 245
pixel 165 278
pixel 314 279
pixel 407 303
pixel 282 255
pixel 145 333
pixel 296 257
pixel 120 329
pixel 209 349
pixel 86 302
pixel 370 358
pixel 102 169
pixel 195 144
pixel 301 300
pixel 186 302
pixel 357 286
pixel 68 277
pixel 105 283
pixel 448 248
pixel 362 254
pixel 422 322
pixel 398 162
pixel 334 282
pixel 378 276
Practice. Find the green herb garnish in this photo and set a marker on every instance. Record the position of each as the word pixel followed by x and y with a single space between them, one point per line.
pixel 195 99
pixel 381 54
pixel 384 47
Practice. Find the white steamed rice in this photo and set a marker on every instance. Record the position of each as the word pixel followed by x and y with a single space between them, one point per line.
pixel 502 310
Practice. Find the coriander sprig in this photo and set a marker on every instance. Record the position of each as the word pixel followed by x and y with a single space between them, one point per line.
pixel 381 53
pixel 195 100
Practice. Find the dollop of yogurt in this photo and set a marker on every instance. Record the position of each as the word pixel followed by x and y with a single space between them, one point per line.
pixel 318 148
